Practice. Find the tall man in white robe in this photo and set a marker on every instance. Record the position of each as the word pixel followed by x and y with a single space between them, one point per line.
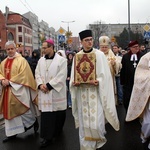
pixel 93 102
pixel 51 74
pixel 139 105
pixel 18 93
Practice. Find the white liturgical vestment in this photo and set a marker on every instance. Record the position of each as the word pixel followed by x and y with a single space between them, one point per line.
pixel 91 105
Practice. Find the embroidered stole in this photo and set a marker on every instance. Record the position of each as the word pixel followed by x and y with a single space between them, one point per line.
pixel 7 72
pixel 89 113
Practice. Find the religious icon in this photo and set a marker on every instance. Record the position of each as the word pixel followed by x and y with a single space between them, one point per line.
pixel 85 70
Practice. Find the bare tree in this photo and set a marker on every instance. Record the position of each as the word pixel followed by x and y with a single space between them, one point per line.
pixel 98 28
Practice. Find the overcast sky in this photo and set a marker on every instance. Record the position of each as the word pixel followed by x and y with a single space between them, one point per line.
pixel 83 12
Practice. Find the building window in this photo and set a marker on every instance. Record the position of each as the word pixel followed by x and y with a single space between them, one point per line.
pixel 10 36
pixel 19 29
pixel 20 38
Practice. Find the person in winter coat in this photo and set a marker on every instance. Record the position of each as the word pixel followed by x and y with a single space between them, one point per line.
pixel 34 59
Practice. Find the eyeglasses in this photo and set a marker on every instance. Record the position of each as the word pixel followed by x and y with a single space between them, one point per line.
pixel 104 46
pixel 45 47
pixel 136 46
pixel 88 40
pixel 10 49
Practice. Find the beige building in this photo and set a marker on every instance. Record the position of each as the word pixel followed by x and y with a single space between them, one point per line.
pixel 115 29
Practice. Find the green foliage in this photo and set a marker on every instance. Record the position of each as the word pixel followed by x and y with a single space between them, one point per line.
pixel 123 39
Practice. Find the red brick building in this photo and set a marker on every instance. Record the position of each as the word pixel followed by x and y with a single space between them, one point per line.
pixel 16 27
pixel 75 45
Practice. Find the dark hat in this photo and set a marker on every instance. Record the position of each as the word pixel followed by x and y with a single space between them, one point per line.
pixel 85 33
pixel 132 43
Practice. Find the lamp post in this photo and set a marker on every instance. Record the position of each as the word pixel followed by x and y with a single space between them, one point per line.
pixel 68 23
pixel 129 29
pixel 68 35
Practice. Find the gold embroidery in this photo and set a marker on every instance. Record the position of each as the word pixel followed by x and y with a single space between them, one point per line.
pixel 85 110
pixel 45 104
pixel 83 96
pixel 93 111
pixel 92 96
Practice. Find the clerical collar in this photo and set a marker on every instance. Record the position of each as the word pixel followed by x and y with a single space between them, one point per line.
pixel 133 57
pixel 88 50
pixel 47 57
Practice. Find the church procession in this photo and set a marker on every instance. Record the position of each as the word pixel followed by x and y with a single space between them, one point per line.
pixel 90 99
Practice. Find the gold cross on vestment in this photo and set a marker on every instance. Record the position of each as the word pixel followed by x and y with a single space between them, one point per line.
pixel 48 103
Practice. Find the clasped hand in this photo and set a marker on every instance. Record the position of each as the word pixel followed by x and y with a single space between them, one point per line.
pixel 5 82
pixel 113 62
pixel 43 88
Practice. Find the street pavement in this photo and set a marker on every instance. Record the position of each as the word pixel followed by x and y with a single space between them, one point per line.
pixel 127 138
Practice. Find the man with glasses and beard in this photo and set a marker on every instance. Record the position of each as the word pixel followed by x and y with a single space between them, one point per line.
pixel 50 75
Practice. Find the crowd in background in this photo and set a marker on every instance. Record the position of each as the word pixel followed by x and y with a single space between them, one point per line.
pixel 122 66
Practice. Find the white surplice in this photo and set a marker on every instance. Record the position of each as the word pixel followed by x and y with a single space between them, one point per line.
pixel 54 72
pixel 91 105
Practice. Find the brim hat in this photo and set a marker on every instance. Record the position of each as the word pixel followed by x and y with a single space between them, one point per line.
pixel 85 34
pixel 132 43
pixel 104 40
pixel 50 41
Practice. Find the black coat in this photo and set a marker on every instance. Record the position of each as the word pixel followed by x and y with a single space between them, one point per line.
pixel 34 61
pixel 127 76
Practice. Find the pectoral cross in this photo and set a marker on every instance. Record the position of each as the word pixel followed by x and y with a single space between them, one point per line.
pixel 134 64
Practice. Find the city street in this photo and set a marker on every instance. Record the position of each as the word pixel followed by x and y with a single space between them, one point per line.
pixel 128 138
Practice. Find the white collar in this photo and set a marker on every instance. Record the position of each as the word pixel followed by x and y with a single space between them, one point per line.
pixel 133 57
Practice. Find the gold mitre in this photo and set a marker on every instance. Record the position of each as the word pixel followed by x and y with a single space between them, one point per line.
pixel 104 40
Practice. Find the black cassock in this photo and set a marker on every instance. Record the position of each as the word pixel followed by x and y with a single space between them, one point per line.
pixel 127 76
pixel 52 124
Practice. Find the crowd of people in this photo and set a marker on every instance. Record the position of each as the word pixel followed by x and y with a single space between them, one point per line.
pixel 91 82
